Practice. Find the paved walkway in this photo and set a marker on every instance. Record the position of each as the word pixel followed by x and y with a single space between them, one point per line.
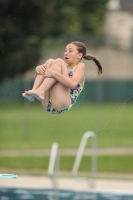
pixel 67 151
pixel 68 183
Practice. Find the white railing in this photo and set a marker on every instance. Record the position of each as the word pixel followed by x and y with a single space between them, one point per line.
pixel 53 169
pixel 80 155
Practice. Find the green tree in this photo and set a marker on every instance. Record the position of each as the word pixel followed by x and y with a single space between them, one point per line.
pixel 25 24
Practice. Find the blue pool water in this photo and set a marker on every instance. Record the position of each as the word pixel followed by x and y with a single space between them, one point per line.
pixel 43 194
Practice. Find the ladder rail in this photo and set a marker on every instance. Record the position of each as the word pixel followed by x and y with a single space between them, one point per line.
pixel 53 168
pixel 80 152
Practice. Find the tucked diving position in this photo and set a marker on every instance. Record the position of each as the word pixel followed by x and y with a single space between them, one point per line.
pixel 59 82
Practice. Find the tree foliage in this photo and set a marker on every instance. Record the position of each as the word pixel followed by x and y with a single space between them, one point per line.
pixel 25 24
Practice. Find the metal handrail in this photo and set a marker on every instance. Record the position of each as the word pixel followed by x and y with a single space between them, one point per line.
pixel 53 168
pixel 80 155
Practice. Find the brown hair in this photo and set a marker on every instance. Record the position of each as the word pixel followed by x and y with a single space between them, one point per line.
pixel 82 49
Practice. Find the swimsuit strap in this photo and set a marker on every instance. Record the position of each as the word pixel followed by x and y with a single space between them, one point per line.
pixel 70 73
pixel 74 68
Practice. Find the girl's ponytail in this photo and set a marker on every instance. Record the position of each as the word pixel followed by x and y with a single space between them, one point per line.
pixel 82 49
pixel 88 56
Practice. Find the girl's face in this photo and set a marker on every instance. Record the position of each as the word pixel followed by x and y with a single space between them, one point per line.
pixel 71 54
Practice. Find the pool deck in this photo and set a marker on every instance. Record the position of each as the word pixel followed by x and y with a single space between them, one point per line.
pixel 38 182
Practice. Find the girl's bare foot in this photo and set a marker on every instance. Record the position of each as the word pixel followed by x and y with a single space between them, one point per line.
pixel 36 94
pixel 29 97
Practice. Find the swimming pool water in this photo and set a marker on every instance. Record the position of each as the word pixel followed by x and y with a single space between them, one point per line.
pixel 43 194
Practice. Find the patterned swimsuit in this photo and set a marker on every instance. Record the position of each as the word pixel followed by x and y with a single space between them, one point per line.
pixel 74 93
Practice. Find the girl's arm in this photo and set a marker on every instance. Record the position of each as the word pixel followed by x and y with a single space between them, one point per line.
pixel 77 77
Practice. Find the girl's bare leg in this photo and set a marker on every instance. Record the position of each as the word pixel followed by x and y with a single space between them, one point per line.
pixel 40 78
pixel 58 92
pixel 38 81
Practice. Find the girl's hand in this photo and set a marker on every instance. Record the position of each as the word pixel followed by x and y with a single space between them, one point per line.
pixel 41 69
pixel 48 72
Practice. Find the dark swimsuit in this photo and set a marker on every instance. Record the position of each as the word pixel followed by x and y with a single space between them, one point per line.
pixel 74 93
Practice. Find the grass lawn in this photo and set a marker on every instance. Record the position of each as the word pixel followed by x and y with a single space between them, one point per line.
pixel 26 125
pixel 105 163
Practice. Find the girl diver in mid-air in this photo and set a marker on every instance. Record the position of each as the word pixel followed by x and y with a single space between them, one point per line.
pixel 58 82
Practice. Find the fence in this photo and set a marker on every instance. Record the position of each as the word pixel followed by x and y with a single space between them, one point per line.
pixel 101 91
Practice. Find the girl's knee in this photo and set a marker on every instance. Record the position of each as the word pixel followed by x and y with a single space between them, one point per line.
pixel 49 61
pixel 60 66
pixel 59 60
